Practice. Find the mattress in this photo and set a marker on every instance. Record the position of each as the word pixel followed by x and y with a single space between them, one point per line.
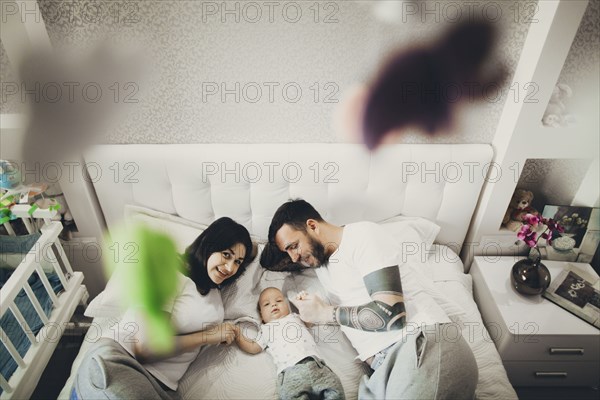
pixel 225 372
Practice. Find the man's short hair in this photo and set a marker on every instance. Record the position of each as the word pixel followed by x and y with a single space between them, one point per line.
pixel 294 213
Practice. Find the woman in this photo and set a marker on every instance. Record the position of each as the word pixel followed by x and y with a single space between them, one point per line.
pixel 121 365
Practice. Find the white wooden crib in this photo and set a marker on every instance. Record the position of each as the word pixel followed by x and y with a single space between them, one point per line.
pixel 46 256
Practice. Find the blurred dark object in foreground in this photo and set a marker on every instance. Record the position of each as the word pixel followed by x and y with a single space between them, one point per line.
pixel 422 86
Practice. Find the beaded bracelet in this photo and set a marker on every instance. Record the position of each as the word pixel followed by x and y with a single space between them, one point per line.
pixel 334 315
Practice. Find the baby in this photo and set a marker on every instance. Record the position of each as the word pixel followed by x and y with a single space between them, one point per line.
pixel 285 337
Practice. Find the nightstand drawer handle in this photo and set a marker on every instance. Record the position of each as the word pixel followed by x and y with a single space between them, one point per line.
pixel 565 351
pixel 550 374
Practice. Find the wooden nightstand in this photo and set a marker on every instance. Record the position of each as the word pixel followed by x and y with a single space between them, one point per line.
pixel 540 343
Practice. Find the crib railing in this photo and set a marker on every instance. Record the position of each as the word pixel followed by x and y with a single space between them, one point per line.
pixel 31 366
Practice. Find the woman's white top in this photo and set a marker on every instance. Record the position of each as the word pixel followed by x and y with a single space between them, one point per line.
pixel 190 312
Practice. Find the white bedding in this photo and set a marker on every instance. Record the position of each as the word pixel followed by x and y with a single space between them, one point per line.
pixel 222 372
pixel 448 277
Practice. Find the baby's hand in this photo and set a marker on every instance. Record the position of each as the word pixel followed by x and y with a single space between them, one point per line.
pixel 236 330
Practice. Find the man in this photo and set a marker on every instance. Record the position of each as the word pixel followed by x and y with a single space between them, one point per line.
pixel 392 323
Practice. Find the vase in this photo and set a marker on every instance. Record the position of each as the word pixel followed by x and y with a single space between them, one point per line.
pixel 530 276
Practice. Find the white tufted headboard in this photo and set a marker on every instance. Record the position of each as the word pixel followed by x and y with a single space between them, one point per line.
pixel 247 182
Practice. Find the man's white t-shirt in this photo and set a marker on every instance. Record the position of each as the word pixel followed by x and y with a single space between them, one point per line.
pixel 190 312
pixel 366 247
pixel 287 340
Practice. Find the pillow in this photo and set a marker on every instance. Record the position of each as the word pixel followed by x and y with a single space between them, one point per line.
pixel 416 235
pixel 240 298
pixel 183 231
pixel 108 303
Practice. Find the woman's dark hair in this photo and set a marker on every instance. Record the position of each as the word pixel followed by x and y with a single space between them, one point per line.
pixel 274 259
pixel 220 235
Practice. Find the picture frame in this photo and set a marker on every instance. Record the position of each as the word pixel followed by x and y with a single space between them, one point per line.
pixel 578 292
pixel 591 240
pixel 582 224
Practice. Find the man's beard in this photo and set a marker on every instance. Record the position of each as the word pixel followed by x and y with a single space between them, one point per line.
pixel 318 252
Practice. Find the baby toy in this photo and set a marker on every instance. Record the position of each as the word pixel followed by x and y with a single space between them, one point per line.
pixel 147 262
pixel 10 178
pixel 35 196
pixel 11 185
pixel 556 114
pixel 519 206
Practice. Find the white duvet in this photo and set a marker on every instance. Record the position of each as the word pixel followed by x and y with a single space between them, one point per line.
pixel 222 372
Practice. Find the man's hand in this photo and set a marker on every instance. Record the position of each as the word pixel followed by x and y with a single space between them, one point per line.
pixel 313 309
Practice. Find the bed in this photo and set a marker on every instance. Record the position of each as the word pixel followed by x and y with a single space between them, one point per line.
pixel 38 296
pixel 425 195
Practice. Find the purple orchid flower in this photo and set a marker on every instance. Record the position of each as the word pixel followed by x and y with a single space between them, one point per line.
pixel 528 236
pixel 531 219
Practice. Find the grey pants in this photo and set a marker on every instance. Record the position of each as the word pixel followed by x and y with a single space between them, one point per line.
pixel 108 371
pixel 309 379
pixel 425 365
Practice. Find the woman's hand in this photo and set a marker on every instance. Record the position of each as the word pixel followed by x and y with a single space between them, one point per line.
pixel 224 333
pixel 313 309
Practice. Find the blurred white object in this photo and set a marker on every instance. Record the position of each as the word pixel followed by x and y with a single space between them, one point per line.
pixel 389 11
pixel 75 99
pixel 349 113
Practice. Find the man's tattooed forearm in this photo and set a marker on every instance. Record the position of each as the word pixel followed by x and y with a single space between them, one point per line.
pixel 375 316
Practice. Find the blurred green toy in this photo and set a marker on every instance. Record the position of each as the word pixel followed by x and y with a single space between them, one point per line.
pixel 147 262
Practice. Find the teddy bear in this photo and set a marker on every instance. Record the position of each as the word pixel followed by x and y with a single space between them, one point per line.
pixel 519 206
pixel 556 114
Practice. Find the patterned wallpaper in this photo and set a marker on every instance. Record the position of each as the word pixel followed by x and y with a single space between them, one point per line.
pixel 556 181
pixel 264 54
pixel 8 104
pixel 553 181
pixel 321 48
pixel 582 66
